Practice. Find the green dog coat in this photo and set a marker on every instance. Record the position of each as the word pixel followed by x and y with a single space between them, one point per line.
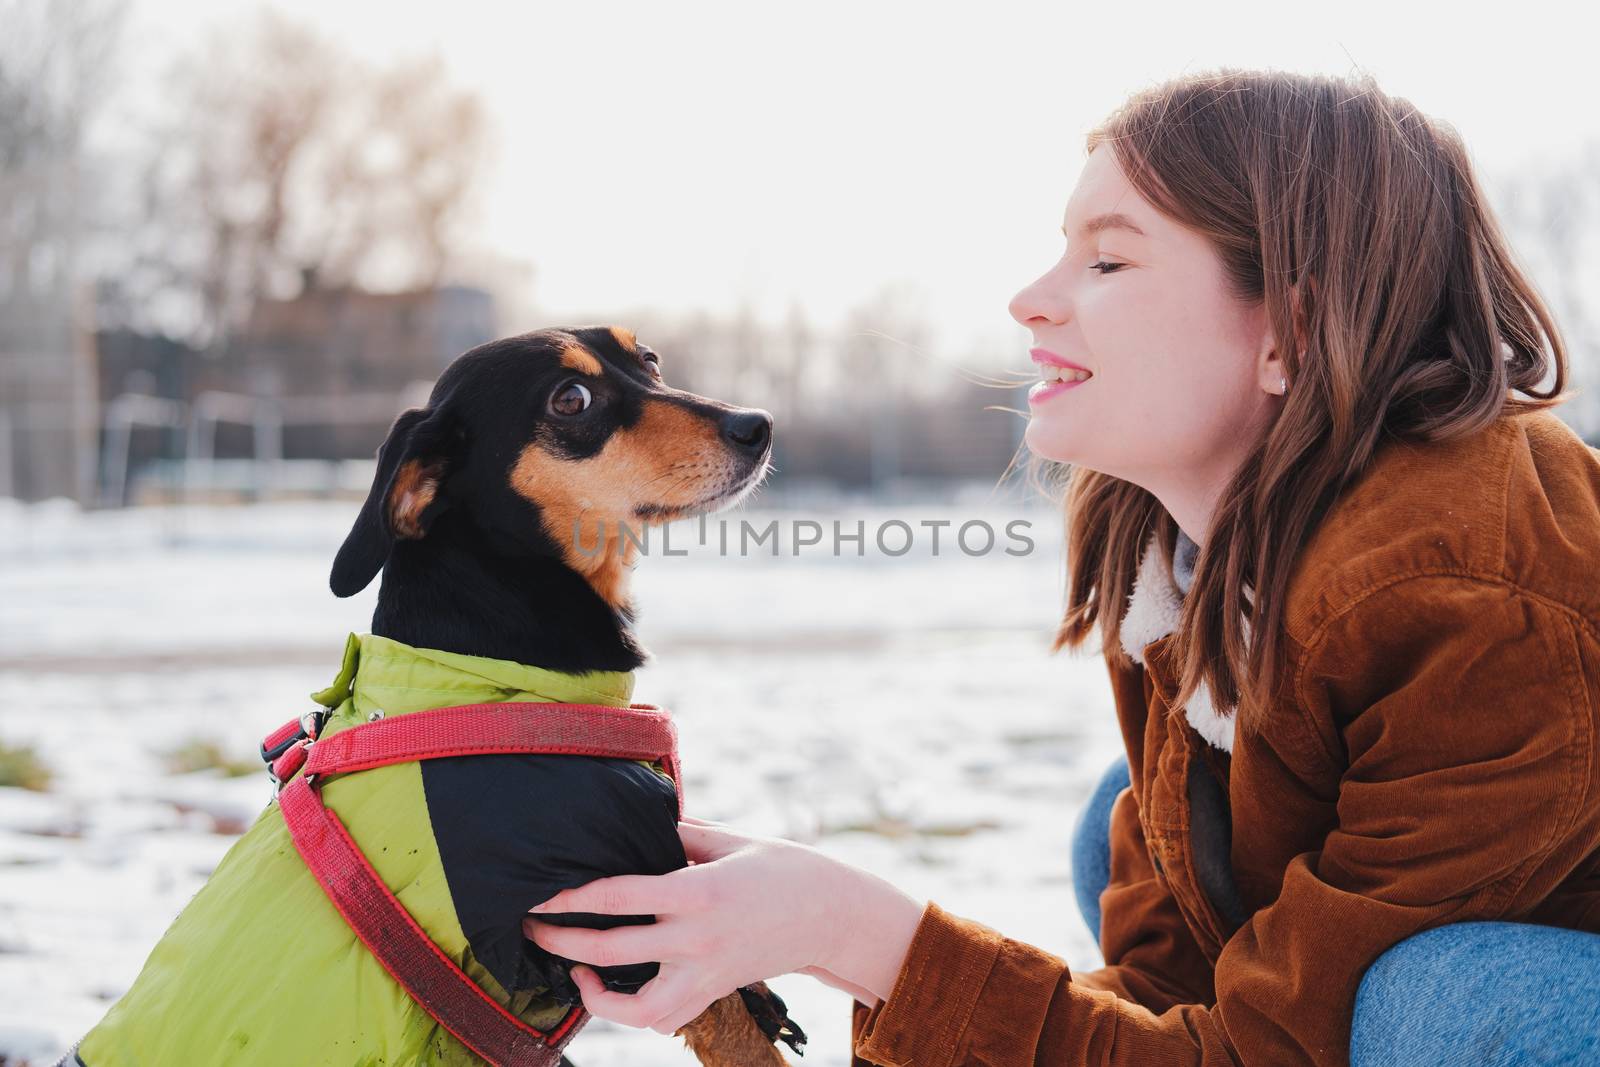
pixel 261 968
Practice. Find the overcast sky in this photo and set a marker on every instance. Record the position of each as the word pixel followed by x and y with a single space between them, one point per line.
pixel 684 155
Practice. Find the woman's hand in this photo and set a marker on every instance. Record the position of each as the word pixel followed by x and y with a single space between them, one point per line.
pixel 747 908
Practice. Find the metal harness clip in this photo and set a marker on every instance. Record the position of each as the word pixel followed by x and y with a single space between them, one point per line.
pixel 284 750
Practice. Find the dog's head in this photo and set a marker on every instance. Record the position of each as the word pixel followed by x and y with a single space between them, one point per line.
pixel 547 440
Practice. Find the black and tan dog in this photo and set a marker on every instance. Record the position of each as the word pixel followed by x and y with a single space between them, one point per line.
pixel 485 519
pixel 526 444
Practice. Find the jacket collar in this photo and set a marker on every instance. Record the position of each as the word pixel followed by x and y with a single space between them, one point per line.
pixel 378 673
pixel 1154 609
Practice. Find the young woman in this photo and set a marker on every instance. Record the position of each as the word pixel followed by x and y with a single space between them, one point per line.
pixel 1355 652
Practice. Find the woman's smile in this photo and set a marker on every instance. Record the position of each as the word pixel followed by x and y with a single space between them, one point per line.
pixel 1056 374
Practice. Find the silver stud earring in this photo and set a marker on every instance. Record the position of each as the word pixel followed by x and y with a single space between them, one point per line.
pixel 1283 386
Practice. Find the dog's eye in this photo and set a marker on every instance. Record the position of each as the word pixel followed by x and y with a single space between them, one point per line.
pixel 653 361
pixel 570 399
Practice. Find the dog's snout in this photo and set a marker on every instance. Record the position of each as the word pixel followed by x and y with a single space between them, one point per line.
pixel 749 429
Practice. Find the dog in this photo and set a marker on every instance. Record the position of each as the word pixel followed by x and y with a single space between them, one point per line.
pixel 494 518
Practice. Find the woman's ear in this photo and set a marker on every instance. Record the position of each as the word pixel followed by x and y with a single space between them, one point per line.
pixel 404 499
pixel 1272 361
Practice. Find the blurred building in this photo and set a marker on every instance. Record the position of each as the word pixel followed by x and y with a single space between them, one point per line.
pixel 953 435
pixel 334 341
pixel 336 344
pixel 324 343
pixel 332 365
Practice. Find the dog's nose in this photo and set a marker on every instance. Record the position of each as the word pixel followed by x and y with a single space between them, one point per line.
pixel 749 429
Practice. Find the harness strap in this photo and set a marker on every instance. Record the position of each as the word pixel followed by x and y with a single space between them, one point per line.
pixel 639 731
pixel 432 979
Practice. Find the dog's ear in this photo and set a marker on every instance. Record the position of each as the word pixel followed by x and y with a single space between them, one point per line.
pixel 404 499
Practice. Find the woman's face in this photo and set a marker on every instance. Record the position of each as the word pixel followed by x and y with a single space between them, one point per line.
pixel 1182 374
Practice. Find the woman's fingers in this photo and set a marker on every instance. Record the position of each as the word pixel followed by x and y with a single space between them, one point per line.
pixel 683 1016
pixel 652 894
pixel 604 1003
pixel 623 894
pixel 656 999
pixel 703 842
pixel 607 948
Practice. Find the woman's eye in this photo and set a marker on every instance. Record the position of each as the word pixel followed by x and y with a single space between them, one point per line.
pixel 570 399
pixel 1106 268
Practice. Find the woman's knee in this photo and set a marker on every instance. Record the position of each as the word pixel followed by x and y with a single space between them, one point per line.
pixel 1091 843
pixel 1481 992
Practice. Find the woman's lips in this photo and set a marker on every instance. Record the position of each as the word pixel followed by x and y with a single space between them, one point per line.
pixel 1044 355
pixel 1043 391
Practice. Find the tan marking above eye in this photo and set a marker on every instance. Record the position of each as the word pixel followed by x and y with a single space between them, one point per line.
pixel 624 337
pixel 580 359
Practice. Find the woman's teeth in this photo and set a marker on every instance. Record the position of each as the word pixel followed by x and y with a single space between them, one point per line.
pixel 1052 373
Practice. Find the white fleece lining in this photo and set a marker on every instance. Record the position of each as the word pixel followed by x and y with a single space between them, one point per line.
pixel 1154 608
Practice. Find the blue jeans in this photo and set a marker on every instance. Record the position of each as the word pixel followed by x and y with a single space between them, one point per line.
pixel 1488 994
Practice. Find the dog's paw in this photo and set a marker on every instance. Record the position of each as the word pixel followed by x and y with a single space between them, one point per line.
pixel 772 1016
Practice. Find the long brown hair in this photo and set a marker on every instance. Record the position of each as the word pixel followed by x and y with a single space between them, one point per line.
pixel 1360 223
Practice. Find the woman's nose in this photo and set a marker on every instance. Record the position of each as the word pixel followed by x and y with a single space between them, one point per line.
pixel 1036 303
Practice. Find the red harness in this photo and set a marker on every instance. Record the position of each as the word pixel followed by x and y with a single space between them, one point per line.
pixel 639 731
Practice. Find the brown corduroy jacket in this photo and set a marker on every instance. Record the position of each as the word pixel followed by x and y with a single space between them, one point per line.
pixel 1432 757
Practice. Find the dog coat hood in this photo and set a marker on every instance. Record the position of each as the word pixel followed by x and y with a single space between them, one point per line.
pixel 260 966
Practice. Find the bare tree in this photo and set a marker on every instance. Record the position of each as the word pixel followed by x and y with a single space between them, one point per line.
pixel 289 165
pixel 54 73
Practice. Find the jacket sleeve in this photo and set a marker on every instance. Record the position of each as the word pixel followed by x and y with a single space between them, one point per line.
pixel 1466 728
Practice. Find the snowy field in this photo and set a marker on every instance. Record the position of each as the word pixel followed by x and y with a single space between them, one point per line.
pixel 899 712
